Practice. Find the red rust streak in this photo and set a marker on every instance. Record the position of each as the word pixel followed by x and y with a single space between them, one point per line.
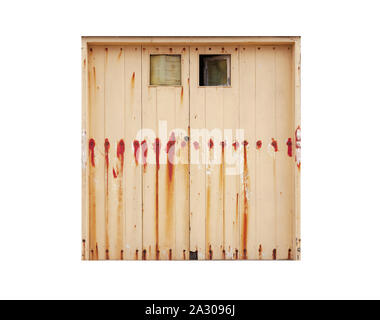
pixel 260 252
pixel 245 213
pixel 114 173
pixel 274 145
pixel 133 80
pixel 157 147
pixel 170 150
pixel 211 144
pixel 120 153
pixel 235 145
pixel 106 152
pixel 91 147
pixel 290 147
pixel 144 149
pixel 106 155
pixel 259 144
pixel 136 147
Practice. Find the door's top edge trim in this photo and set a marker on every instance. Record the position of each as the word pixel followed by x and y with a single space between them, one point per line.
pixel 103 40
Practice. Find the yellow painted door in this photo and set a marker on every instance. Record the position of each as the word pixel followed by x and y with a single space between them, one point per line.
pixel 181 168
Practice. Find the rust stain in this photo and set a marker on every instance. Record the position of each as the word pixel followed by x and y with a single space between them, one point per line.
pixel 211 144
pixel 170 150
pixel 133 80
pixel 170 254
pixel 290 254
pixel 260 252
pixel 237 208
pixel 182 95
pixel 274 145
pixel 106 155
pixel 157 147
pixel 144 254
pixel 107 254
pixel 84 63
pixel 96 252
pixel 120 153
pixel 120 53
pixel 92 196
pixel 236 254
pixel 144 149
pixel 290 147
pixel 246 207
pixel 136 152
pixel 91 147
pixel 114 173
pixel 184 254
pixel 235 145
pixel 210 252
pixel 106 152
pixel 259 144
pixel 298 147
pixel 122 255
pixel 224 254
pixel 83 249
pixel 120 211
pixel 137 255
pixel 274 254
pixel 196 145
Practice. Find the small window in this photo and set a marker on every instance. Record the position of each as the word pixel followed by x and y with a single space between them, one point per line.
pixel 215 70
pixel 165 70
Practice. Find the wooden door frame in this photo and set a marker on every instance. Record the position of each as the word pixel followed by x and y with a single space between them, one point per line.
pixel 293 41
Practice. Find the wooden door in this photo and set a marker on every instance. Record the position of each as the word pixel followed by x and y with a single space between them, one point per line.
pixel 250 214
pixel 179 169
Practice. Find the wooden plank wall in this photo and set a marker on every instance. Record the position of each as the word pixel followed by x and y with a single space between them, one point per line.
pixel 143 198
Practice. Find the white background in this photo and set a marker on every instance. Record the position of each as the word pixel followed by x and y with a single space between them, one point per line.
pixel 40 149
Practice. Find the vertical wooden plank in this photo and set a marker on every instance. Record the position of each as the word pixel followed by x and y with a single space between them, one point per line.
pixel 297 130
pixel 230 159
pixel 166 110
pixel 115 156
pixel 182 174
pixel 95 153
pixel 265 162
pixel 214 167
pixel 85 177
pixel 197 165
pixel 284 157
pixel 152 167
pixel 248 218
pixel 168 204
pixel 133 160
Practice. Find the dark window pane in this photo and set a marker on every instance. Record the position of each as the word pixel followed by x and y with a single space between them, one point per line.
pixel 214 70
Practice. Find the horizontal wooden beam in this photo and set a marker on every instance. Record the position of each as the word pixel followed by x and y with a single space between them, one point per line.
pixel 94 40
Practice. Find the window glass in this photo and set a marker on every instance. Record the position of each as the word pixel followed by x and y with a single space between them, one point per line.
pixel 214 70
pixel 165 70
